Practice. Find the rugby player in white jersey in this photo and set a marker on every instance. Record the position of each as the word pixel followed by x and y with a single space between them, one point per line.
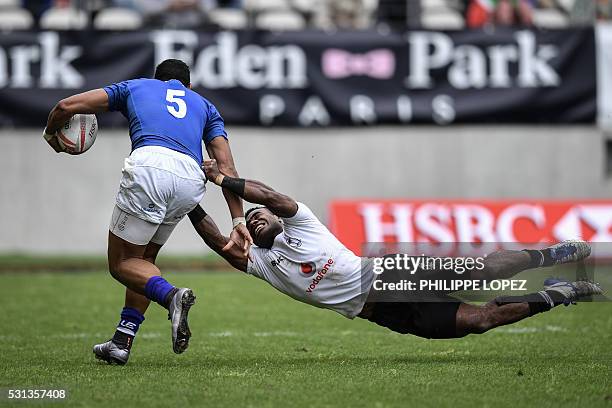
pixel 299 256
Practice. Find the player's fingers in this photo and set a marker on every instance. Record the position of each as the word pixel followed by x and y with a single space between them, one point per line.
pixel 229 245
pixel 248 246
pixel 248 240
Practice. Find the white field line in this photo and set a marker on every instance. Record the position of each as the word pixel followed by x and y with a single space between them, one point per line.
pixel 276 334
pixel 255 334
pixel 221 334
pixel 523 330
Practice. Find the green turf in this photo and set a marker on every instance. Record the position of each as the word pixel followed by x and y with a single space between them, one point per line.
pixel 255 347
pixel 18 262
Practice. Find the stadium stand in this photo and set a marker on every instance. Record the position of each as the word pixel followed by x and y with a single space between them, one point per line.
pixel 67 18
pixel 549 18
pixel 448 20
pixel 280 20
pixel 116 18
pixel 228 18
pixel 15 19
pixel 281 15
pixel 441 14
pixel 256 6
pixel 9 4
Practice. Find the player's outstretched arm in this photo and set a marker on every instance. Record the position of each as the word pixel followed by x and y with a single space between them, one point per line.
pixel 252 191
pixel 208 230
pixel 219 149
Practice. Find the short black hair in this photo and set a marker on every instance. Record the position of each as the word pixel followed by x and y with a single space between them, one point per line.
pixel 250 210
pixel 173 69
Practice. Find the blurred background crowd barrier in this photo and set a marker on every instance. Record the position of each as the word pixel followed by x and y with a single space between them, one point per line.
pixel 299 14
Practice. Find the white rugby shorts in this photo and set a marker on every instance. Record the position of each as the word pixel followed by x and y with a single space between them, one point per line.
pixel 158 187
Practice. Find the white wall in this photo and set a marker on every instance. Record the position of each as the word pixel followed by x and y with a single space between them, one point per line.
pixel 61 204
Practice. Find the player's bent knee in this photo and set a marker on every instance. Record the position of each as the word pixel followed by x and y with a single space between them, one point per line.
pixel 482 325
pixel 479 325
pixel 489 319
pixel 115 271
pixel 476 319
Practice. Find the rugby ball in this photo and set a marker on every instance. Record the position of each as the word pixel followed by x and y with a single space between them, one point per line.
pixel 78 134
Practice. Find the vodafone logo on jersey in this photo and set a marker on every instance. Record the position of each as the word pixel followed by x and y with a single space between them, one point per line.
pixel 319 276
pixel 308 268
pixel 359 222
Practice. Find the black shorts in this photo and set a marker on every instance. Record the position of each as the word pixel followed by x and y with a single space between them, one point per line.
pixel 431 320
pixel 428 314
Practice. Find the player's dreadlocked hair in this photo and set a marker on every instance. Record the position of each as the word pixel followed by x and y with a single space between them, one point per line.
pixel 250 210
pixel 173 69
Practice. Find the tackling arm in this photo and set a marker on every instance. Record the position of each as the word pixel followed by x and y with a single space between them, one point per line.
pixel 208 230
pixel 253 191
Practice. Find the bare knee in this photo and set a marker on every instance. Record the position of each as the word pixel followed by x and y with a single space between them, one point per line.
pixel 483 323
pixel 115 269
pixel 120 254
pixel 473 319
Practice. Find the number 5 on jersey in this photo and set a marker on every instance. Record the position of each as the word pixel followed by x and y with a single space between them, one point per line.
pixel 173 96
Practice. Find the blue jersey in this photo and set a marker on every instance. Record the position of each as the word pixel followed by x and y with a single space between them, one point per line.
pixel 167 114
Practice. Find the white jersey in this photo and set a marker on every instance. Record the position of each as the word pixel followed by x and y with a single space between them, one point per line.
pixel 309 264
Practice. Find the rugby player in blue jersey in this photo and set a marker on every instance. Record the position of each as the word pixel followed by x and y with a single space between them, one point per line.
pixel 162 181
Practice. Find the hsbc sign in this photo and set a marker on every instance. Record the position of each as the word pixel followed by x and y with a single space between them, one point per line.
pixel 359 222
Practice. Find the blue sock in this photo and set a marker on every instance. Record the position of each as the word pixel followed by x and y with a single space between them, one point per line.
pixel 130 322
pixel 157 289
pixel 128 326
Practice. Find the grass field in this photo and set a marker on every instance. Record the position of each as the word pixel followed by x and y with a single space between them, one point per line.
pixel 255 347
